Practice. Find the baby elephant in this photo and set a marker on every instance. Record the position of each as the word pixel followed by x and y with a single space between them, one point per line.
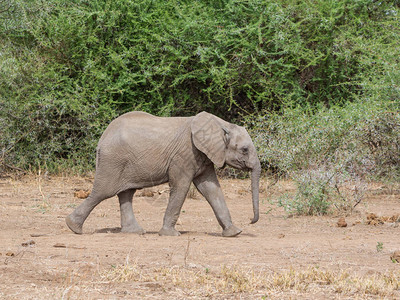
pixel 138 150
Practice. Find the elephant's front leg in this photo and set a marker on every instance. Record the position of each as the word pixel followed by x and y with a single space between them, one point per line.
pixel 208 185
pixel 128 220
pixel 179 189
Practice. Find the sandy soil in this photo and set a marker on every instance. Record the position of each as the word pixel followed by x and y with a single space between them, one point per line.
pixel 278 257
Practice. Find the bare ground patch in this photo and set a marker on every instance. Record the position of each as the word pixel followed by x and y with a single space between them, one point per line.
pixel 278 257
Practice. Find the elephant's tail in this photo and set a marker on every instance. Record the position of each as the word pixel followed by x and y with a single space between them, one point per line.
pixel 97 157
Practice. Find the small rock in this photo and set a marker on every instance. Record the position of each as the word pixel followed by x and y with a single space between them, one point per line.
pixel 38 234
pixel 59 245
pixel 373 219
pixel 9 253
pixel 281 236
pixel 242 192
pixel 146 193
pixel 29 243
pixel 341 222
pixel 394 218
pixel 395 257
pixel 81 194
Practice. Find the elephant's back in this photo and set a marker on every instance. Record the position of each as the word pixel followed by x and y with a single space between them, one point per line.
pixel 142 128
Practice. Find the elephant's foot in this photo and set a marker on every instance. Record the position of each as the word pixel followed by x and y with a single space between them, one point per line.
pixel 169 231
pixel 133 229
pixel 73 225
pixel 231 231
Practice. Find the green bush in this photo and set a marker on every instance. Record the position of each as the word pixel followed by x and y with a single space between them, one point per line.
pixel 323 190
pixel 331 154
pixel 67 68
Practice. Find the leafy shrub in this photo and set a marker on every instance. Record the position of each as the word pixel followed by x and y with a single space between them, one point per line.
pixel 323 190
pixel 332 153
pixel 51 134
pixel 68 67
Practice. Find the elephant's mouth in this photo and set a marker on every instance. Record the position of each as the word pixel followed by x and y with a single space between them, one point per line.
pixel 238 164
pixel 245 169
pixel 243 166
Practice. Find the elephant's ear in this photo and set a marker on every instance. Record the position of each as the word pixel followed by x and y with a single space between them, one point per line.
pixel 210 137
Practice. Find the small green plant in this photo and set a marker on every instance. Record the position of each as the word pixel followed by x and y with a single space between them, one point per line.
pixel 379 247
pixel 42 206
pixel 268 211
pixel 313 196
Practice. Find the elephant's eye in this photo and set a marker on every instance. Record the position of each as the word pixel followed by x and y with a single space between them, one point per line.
pixel 245 150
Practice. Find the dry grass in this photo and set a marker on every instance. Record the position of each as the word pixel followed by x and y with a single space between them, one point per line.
pixel 238 280
pixel 124 273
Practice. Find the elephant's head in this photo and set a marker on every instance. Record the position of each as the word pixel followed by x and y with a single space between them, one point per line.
pixel 226 143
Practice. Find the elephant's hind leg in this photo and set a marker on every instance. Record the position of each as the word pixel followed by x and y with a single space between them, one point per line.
pixel 128 220
pixel 73 224
pixel 76 219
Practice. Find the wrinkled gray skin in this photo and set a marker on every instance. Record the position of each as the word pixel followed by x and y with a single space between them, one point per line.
pixel 139 150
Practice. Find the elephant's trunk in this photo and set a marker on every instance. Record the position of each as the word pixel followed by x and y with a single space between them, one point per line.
pixel 255 181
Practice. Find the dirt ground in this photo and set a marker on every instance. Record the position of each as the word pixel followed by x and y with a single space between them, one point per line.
pixel 279 257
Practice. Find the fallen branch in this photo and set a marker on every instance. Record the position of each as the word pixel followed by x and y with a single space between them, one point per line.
pixel 13 167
